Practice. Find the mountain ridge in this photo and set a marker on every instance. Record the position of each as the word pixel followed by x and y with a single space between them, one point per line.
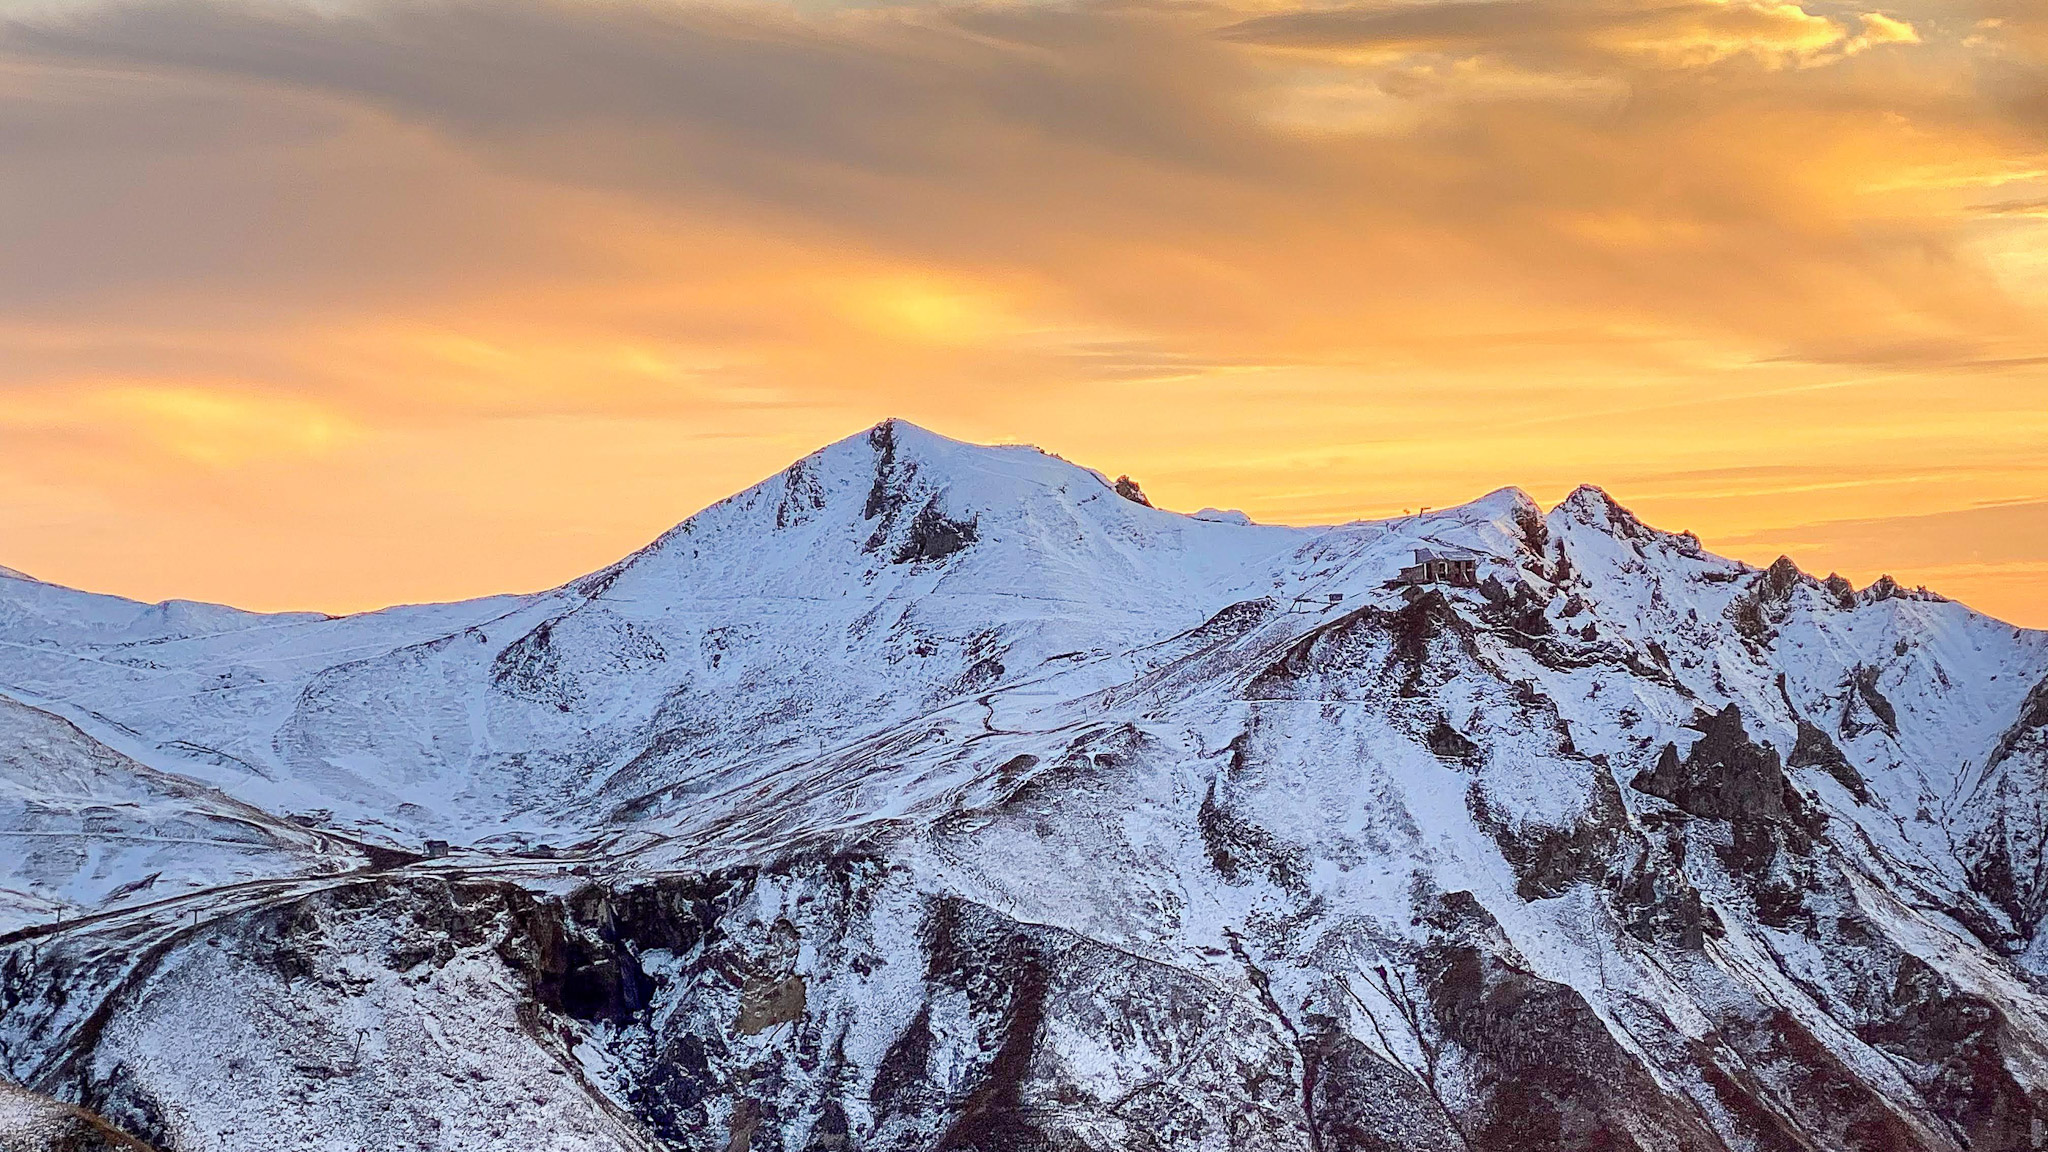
pixel 1883 586
pixel 930 796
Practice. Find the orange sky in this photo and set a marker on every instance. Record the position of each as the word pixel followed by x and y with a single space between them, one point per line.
pixel 335 305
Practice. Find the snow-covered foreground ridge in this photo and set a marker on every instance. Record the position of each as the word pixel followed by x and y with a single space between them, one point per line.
pixel 928 795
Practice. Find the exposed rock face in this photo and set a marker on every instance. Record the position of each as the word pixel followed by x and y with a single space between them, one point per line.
pixel 1961 1051
pixel 33 1123
pixel 1814 749
pixel 1885 588
pixel 1725 776
pixel 927 534
pixel 935 797
pixel 933 536
pixel 1547 1073
pixel 1865 708
pixel 1757 612
pixel 885 491
pixel 1839 588
pixel 2007 845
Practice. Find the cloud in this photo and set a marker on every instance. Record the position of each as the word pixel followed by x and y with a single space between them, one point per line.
pixel 1879 29
pixel 1673 34
pixel 1131 169
pixel 1236 242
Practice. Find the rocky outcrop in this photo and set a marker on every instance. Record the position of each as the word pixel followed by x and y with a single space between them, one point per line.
pixel 1885 588
pixel 1963 1053
pixel 1544 1072
pixel 927 534
pixel 1725 776
pixel 934 536
pixel 1814 749
pixel 1758 610
pixel 1769 829
pixel 1865 708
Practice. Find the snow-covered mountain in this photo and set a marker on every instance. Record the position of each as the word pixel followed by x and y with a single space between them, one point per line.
pixel 928 795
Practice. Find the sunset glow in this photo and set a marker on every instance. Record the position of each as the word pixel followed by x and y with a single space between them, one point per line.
pixel 344 304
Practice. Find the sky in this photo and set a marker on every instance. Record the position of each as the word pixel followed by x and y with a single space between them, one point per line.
pixel 333 304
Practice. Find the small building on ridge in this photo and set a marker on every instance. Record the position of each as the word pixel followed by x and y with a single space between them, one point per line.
pixel 1442 566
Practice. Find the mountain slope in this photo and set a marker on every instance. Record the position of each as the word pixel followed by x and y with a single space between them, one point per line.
pixel 834 564
pixel 86 828
pixel 935 796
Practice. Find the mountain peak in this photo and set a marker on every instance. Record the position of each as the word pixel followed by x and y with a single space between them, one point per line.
pixel 1887 588
pixel 1511 501
pixel 896 432
pixel 1594 507
pixel 1590 501
pixel 899 437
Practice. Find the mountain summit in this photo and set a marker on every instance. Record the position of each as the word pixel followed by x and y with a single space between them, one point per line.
pixel 928 795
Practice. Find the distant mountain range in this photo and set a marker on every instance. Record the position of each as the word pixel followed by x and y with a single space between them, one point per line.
pixel 935 796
